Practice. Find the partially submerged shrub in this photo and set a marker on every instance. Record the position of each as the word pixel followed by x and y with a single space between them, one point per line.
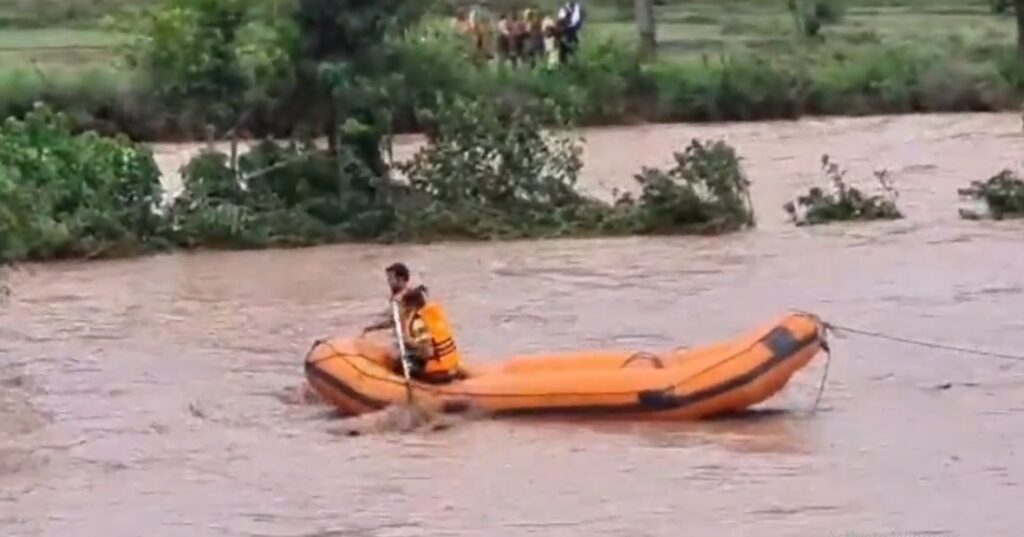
pixel 63 194
pixel 277 195
pixel 1002 194
pixel 845 202
pixel 488 171
pixel 491 171
pixel 706 191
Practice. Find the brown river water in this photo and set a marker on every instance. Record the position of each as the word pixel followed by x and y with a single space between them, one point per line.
pixel 153 397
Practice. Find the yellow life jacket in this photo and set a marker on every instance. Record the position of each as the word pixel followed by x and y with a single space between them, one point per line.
pixel 445 358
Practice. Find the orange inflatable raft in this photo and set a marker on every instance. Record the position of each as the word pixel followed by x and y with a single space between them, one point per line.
pixel 355 375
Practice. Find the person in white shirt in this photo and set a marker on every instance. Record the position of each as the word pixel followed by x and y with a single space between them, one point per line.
pixel 570 17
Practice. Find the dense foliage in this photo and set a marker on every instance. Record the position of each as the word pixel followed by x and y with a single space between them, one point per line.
pixel 493 172
pixel 206 60
pixel 845 202
pixel 65 195
pixel 488 171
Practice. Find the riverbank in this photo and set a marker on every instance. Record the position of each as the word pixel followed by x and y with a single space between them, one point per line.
pixel 732 61
pixel 604 88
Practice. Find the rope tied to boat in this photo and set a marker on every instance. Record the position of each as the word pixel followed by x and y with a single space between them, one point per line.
pixel 839 329
pixel 824 375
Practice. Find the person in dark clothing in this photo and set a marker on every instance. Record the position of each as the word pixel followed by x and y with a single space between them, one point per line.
pixel 570 18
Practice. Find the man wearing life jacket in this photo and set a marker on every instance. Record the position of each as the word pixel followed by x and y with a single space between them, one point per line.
pixel 398 281
pixel 430 344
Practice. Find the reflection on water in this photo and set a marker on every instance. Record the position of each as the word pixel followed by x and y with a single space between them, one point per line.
pixel 158 396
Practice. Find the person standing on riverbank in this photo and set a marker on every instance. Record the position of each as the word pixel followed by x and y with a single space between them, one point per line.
pixel 570 18
pixel 552 48
pixel 504 44
pixel 533 45
pixel 480 26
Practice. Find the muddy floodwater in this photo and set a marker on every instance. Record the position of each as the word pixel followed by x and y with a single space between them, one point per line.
pixel 155 397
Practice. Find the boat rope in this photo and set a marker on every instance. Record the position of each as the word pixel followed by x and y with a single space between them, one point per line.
pixel 824 376
pixel 924 343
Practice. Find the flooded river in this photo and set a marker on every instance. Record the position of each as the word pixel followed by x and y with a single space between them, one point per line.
pixel 151 396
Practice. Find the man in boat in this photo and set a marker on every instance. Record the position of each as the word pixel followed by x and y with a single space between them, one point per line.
pixel 398 281
pixel 430 345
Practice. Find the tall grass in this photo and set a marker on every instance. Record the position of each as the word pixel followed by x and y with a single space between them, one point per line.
pixel 93 96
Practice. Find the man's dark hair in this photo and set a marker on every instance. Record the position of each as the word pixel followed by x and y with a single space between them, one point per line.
pixel 399 269
pixel 415 298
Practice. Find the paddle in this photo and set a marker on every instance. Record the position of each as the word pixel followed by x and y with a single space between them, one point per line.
pixel 401 349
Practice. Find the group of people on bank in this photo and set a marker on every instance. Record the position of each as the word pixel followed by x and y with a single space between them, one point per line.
pixel 525 37
pixel 431 352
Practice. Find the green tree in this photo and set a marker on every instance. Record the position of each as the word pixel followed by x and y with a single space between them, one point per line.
pixel 208 60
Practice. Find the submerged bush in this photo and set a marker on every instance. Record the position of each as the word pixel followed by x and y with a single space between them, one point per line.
pixel 845 202
pixel 277 195
pixel 488 171
pixel 65 195
pixel 706 191
pixel 491 171
pixel 1002 194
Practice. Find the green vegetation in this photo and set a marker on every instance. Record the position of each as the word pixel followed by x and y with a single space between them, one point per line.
pixel 1002 195
pixel 241 65
pixel 490 171
pixel 487 172
pixel 845 203
pixel 706 191
pixel 65 195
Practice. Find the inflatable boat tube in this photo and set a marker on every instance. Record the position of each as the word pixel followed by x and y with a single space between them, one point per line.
pixel 359 375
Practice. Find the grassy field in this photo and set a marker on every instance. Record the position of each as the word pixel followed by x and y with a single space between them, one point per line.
pixel 67 31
